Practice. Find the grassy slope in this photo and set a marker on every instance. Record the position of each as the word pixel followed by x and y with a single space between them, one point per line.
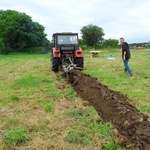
pixel 39 110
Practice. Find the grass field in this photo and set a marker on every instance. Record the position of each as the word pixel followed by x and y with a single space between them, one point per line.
pixel 40 110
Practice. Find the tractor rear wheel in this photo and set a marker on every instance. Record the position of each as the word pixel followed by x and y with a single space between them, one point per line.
pixel 55 62
pixel 79 62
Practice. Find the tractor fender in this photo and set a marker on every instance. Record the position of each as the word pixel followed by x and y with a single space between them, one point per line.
pixel 56 53
pixel 79 52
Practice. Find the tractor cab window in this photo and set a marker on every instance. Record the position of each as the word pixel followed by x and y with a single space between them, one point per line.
pixel 67 39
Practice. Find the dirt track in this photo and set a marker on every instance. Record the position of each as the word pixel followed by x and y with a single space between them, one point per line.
pixel 113 106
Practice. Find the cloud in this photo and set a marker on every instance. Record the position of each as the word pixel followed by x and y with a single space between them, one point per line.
pixel 129 19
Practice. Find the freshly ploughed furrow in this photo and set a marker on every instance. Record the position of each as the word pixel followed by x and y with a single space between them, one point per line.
pixel 114 107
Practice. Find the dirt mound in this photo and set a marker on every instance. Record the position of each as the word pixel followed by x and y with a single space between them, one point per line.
pixel 113 106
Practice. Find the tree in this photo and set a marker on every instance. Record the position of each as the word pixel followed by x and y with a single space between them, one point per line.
pixel 2 46
pixel 19 31
pixel 111 43
pixel 92 34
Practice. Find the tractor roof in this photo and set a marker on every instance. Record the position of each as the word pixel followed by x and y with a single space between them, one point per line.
pixel 65 33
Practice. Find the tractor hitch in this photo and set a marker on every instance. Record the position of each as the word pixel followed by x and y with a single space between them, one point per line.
pixel 67 67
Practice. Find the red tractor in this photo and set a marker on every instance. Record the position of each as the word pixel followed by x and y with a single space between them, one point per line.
pixel 66 53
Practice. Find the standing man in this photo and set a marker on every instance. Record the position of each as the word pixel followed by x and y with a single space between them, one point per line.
pixel 125 55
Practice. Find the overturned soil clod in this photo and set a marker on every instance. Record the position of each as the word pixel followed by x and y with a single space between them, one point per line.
pixel 114 107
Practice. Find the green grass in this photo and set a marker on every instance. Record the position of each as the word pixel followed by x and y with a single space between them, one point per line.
pixel 13 98
pixel 79 137
pixel 10 122
pixel 48 107
pixel 23 82
pixel 15 137
pixel 78 114
pixel 90 130
pixel 111 145
pixel 40 110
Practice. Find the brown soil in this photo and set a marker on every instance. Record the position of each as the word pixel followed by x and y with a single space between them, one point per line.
pixel 114 107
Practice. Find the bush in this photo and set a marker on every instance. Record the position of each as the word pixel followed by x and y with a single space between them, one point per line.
pixel 35 50
pixel 98 46
pixel 109 48
pixel 84 47
pixel 3 49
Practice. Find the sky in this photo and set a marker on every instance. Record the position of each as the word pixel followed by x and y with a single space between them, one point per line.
pixel 127 18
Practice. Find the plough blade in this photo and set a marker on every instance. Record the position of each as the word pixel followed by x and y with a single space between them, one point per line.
pixel 69 67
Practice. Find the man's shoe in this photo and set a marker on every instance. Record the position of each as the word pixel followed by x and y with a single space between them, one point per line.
pixel 130 74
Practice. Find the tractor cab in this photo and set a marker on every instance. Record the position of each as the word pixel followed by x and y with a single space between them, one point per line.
pixel 65 41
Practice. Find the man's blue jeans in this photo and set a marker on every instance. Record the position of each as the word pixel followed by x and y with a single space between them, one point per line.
pixel 127 68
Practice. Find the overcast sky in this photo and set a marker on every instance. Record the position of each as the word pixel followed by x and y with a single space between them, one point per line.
pixel 118 18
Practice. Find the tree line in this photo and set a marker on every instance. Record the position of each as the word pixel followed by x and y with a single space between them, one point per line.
pixel 18 33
